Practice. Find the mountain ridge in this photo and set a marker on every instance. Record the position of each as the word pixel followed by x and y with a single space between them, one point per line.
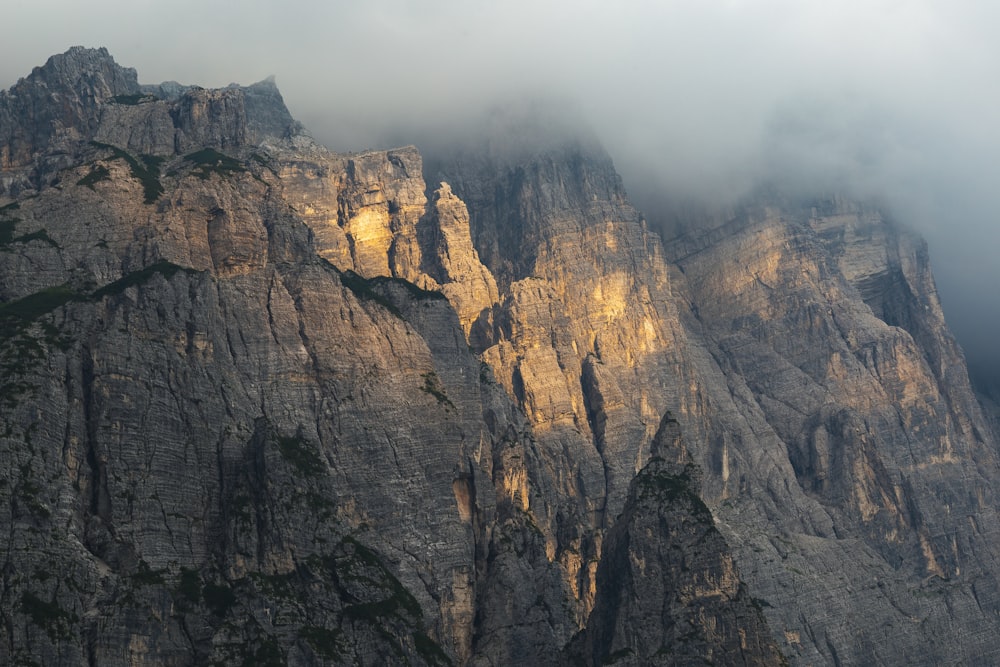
pixel 307 408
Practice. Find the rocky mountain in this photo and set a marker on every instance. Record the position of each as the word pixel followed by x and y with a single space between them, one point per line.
pixel 268 404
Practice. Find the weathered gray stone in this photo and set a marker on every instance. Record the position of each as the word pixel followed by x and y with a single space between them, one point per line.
pixel 261 402
pixel 676 599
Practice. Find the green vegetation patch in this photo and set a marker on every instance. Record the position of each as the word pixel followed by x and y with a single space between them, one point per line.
pixel 430 651
pixel 267 654
pixel 319 505
pixel 317 602
pixel 673 488
pixel 23 339
pixel 618 655
pixel 146 171
pixel 153 162
pixel 281 586
pixel 50 616
pixel 486 375
pixel 15 316
pixel 8 225
pixel 25 336
pixel 145 576
pixel 359 564
pixel 362 288
pixel 37 235
pixel 370 289
pixel 414 291
pixel 209 161
pixel 327 643
pixel 134 99
pixel 302 455
pixel 189 585
pixel 97 174
pixel 164 268
pixel 218 598
pixel 241 507
pixel 7 229
pixel 432 386
pixel 7 238
pixel 28 493
pixel 264 162
pixel 372 593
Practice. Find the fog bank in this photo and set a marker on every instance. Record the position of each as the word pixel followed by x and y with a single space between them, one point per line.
pixel 696 102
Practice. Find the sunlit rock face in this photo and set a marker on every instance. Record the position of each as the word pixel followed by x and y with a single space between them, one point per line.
pixel 264 403
pixel 808 359
pixel 371 213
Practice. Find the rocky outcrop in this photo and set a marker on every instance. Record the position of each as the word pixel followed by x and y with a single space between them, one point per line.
pixel 676 599
pixel 84 95
pixel 58 104
pixel 371 213
pixel 220 521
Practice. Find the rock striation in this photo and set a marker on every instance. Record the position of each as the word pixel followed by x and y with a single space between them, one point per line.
pixel 827 323
pixel 268 404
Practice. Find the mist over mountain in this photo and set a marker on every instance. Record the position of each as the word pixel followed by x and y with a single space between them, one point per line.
pixel 696 103
pixel 352 347
pixel 266 403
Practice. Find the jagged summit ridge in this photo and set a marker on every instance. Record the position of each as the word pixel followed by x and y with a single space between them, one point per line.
pixel 85 71
pixel 58 101
pixel 84 95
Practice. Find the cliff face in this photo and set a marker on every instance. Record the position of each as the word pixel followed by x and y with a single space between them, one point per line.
pixel 267 403
pixel 804 352
pixel 201 413
pixel 825 321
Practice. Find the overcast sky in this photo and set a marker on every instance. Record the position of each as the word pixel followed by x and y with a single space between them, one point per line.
pixel 697 98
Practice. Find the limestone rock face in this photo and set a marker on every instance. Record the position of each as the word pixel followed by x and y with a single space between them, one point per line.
pixel 199 412
pixel 267 404
pixel 453 263
pixel 220 521
pixel 59 103
pixel 804 352
pixel 587 323
pixel 371 213
pixel 84 95
pixel 825 320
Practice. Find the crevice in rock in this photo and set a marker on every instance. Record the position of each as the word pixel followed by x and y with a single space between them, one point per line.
pixel 99 498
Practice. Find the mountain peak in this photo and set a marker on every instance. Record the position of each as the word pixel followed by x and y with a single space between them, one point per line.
pixel 84 95
pixel 247 379
pixel 86 71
